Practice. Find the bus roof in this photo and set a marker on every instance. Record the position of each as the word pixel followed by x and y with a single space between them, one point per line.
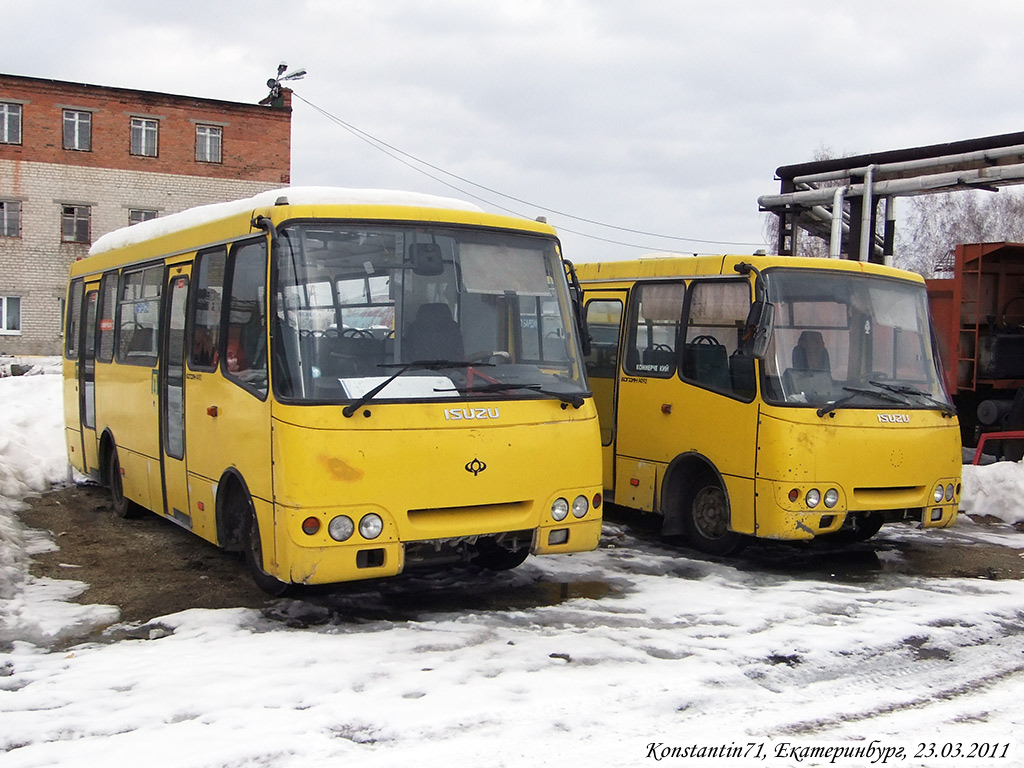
pixel 666 265
pixel 205 214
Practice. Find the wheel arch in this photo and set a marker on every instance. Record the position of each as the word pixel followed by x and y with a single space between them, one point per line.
pixel 230 517
pixel 106 450
pixel 684 471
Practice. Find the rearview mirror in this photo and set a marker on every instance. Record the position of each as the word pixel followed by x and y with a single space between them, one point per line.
pixel 757 332
pixel 426 259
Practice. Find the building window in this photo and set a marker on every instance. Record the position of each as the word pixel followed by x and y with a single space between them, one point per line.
pixel 10 315
pixel 10 218
pixel 77 130
pixel 74 223
pixel 144 135
pixel 138 215
pixel 10 123
pixel 208 142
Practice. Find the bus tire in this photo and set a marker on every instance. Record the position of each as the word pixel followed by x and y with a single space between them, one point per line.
pixel 494 557
pixel 862 527
pixel 123 506
pixel 253 546
pixel 706 518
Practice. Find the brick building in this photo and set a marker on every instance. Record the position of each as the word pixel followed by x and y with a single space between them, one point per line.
pixel 78 161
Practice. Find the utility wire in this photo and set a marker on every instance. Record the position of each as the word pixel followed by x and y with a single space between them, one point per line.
pixel 405 158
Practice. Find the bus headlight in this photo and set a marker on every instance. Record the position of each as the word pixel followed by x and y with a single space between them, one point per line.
pixel 341 528
pixel 949 492
pixel 559 509
pixel 813 498
pixel 370 526
pixel 939 493
pixel 580 506
pixel 831 497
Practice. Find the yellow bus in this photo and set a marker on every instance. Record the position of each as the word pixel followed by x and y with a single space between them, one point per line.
pixel 341 384
pixel 779 398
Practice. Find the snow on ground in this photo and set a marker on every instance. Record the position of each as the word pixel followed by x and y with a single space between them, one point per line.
pixel 606 658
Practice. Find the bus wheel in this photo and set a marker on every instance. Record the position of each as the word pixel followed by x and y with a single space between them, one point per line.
pixel 863 527
pixel 706 518
pixel 494 557
pixel 254 550
pixel 123 507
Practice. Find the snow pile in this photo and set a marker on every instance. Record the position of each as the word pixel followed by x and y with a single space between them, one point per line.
pixel 995 490
pixel 33 460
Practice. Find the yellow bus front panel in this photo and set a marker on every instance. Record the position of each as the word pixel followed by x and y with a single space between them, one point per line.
pixel 873 464
pixel 446 479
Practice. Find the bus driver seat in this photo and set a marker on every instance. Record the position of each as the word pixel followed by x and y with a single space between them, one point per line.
pixel 810 353
pixel 433 335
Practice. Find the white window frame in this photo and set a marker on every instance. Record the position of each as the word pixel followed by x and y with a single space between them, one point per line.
pixel 78 216
pixel 209 143
pixel 5 307
pixel 79 123
pixel 139 215
pixel 10 218
pixel 145 137
pixel 10 123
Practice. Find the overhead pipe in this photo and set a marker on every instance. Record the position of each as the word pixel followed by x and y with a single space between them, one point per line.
pixel 1002 174
pixel 835 243
pixel 867 214
pixel 882 169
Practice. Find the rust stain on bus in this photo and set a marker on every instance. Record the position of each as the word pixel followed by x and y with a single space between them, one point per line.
pixel 340 470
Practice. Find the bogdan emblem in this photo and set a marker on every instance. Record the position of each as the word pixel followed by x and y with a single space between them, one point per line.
pixel 476 467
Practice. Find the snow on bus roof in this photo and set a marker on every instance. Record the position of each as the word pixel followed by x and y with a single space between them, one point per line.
pixel 204 214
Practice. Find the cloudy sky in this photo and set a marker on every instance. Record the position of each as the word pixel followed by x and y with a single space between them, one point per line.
pixel 665 118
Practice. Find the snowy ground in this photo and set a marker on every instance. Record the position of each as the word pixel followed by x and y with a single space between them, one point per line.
pixel 610 658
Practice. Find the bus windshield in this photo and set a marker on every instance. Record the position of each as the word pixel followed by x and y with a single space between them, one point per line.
pixel 454 312
pixel 850 341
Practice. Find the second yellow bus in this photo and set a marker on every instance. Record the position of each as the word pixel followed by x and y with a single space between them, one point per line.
pixel 779 398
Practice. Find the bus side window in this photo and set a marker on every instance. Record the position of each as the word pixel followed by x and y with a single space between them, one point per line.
pixel 72 335
pixel 245 343
pixel 604 318
pixel 712 355
pixel 138 316
pixel 655 316
pixel 206 310
pixel 107 310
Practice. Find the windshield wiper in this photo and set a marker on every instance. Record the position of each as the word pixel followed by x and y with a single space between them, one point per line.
pixel 829 407
pixel 567 398
pixel 906 389
pixel 429 365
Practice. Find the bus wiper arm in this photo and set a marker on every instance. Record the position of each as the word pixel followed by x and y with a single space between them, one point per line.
pixel 831 406
pixel 430 365
pixel 906 389
pixel 568 398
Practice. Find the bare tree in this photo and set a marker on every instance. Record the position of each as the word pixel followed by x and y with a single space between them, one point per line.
pixel 933 225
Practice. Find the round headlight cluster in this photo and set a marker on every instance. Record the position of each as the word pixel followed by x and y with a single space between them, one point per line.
pixel 370 526
pixel 944 492
pixel 559 509
pixel 341 527
pixel 580 506
pixel 813 497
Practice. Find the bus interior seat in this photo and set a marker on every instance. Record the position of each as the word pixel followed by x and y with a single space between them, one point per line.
pixel 349 354
pixel 662 359
pixel 810 353
pixel 707 364
pixel 433 335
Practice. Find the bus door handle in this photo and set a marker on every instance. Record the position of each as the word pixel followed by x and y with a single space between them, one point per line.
pixel 211 410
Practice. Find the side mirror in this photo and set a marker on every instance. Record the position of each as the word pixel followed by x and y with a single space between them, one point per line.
pixel 426 259
pixel 757 332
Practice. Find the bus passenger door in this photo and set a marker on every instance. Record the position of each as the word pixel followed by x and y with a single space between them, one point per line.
pixel 172 397
pixel 87 380
pixel 604 323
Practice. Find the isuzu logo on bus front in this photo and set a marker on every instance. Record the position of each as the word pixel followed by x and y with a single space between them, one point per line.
pixel 464 414
pixel 894 418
